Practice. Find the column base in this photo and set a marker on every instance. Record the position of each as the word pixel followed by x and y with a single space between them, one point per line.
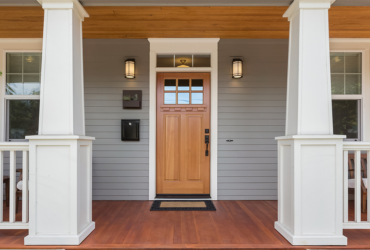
pixel 49 239
pixel 312 240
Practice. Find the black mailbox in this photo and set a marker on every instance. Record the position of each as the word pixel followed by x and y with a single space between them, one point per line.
pixel 130 130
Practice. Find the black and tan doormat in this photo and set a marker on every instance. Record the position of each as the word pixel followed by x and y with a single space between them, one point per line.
pixel 177 205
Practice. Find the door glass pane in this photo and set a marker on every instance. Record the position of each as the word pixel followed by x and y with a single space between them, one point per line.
pixel 345 118
pixel 23 118
pixel 169 98
pixel 353 84
pixel 353 62
pixel 197 84
pixel 183 61
pixel 165 61
pixel 337 62
pixel 170 84
pixel 14 85
pixel 202 61
pixel 31 63
pixel 31 84
pixel 196 98
pixel 183 98
pixel 183 84
pixel 337 84
pixel 14 62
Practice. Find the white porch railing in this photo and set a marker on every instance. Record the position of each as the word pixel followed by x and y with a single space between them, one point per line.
pixel 356 148
pixel 12 148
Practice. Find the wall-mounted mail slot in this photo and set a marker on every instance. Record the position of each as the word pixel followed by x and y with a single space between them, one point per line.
pixel 130 130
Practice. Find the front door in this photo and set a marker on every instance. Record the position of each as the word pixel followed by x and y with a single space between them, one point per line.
pixel 183 125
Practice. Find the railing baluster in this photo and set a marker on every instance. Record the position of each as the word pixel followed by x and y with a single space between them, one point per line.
pixel 1 186
pixel 358 179
pixel 345 186
pixel 12 175
pixel 25 187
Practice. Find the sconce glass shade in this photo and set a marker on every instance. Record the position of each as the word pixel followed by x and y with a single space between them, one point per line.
pixel 237 68
pixel 130 68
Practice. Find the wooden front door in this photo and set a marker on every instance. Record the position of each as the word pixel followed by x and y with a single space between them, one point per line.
pixel 183 122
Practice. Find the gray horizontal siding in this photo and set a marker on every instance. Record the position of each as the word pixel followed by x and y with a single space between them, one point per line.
pixel 252 114
pixel 120 169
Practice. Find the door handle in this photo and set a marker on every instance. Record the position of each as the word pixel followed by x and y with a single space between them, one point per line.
pixel 207 142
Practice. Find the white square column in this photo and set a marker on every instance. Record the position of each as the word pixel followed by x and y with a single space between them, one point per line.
pixel 61 155
pixel 310 157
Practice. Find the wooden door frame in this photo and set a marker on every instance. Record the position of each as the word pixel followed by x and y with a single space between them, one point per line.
pixel 183 46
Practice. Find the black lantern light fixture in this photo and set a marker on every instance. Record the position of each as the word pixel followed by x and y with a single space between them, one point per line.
pixel 130 68
pixel 237 68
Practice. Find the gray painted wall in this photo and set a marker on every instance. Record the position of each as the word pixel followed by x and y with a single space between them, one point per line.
pixel 252 113
pixel 120 169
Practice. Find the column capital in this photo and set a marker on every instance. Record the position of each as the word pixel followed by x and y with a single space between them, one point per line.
pixel 306 4
pixel 75 5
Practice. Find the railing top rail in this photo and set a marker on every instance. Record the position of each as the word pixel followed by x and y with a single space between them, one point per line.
pixel 356 145
pixel 19 146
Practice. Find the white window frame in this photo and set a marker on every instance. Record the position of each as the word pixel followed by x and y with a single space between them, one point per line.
pixel 5 97
pixel 356 96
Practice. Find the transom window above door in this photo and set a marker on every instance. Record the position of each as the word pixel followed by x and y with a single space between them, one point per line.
pixel 183 91
pixel 183 61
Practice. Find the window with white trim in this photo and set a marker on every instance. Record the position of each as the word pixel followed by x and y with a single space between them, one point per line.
pixel 346 88
pixel 22 94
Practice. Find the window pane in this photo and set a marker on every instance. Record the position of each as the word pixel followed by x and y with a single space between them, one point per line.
pixel 353 84
pixel 165 61
pixel 196 98
pixel 31 85
pixel 183 98
pixel 14 85
pixel 202 61
pixel 337 62
pixel 169 98
pixel 345 118
pixel 23 118
pixel 183 61
pixel 197 84
pixel 31 63
pixel 353 62
pixel 170 84
pixel 183 84
pixel 337 84
pixel 14 62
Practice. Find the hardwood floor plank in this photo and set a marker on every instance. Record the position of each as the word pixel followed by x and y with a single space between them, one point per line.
pixel 206 228
pixel 188 232
pixel 226 227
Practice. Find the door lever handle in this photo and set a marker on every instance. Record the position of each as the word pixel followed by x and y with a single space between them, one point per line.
pixel 207 142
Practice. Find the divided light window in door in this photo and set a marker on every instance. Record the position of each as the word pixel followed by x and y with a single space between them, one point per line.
pixel 183 91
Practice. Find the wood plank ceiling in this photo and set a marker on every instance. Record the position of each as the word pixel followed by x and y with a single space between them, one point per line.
pixel 202 22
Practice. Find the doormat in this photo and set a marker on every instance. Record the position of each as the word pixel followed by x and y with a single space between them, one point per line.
pixel 190 205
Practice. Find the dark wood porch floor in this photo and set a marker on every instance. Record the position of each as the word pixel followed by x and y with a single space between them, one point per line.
pixel 235 225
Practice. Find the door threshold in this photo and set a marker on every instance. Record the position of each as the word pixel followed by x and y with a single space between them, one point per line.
pixel 184 196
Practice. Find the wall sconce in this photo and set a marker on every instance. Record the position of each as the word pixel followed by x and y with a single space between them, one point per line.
pixel 130 68
pixel 237 68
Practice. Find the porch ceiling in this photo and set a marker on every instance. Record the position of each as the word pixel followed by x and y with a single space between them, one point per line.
pixel 202 22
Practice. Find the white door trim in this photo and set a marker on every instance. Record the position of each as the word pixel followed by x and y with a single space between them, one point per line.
pixel 182 46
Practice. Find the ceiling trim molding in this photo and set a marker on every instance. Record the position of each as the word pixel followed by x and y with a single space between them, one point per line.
pixel 181 3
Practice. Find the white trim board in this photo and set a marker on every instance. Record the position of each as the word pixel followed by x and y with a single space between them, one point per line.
pixel 182 46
